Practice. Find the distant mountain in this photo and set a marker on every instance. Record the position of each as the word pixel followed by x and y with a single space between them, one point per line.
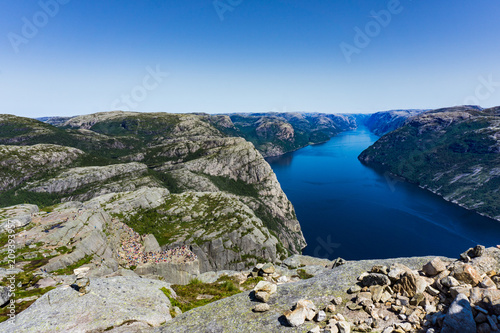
pixel 384 122
pixel 454 152
pixel 56 121
pixel 278 133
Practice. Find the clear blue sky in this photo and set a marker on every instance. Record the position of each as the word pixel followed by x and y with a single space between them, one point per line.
pixel 264 55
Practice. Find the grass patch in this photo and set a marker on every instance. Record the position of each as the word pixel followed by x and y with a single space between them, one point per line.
pixel 303 275
pixel 69 270
pixel 237 187
pixel 187 296
pixel 27 279
pixel 64 250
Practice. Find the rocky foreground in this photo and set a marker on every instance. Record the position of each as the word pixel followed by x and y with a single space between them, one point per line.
pixel 303 294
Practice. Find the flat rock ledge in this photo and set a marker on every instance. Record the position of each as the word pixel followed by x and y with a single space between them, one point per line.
pixel 128 304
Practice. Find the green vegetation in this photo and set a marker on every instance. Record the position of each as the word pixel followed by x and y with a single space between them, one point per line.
pixel 155 140
pixel 169 221
pixel 197 294
pixel 167 180
pixel 263 129
pixel 17 196
pixel 69 269
pixel 434 157
pixel 237 187
pixel 303 274
pixel 64 250
pixel 20 294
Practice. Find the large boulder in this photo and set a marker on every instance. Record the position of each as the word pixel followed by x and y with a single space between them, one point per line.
pixel 459 317
pixel 174 273
pixel 151 244
pixel 110 303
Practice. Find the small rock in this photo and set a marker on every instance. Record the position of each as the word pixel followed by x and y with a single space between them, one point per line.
pixel 330 308
pixel 477 251
pixel 364 327
pixel 265 286
pixel 296 317
pixel 337 300
pixel 380 269
pixel 354 289
pixel 492 323
pixel 480 318
pixel 373 279
pixel 321 316
pixel 467 274
pixel 315 329
pixel 177 311
pixel 82 271
pixel 406 327
pixel 262 307
pixel 484 328
pixel 385 297
pixel 449 281
pixel 344 327
pixel 434 267
pixel 397 271
pixel 353 306
pixel 304 309
pixel 262 296
pixel 487 283
pixel 309 306
pixel 431 291
pixel 377 292
pixel 268 269
pixel 480 309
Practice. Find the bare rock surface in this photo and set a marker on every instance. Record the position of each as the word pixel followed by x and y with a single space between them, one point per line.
pixel 110 303
pixel 234 314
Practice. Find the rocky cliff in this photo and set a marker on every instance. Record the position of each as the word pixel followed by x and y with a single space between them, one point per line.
pixel 232 186
pixel 454 152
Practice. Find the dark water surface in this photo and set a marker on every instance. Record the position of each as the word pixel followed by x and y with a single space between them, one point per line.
pixel 351 211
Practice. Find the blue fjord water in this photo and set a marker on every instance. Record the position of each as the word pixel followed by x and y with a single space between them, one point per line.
pixel 351 211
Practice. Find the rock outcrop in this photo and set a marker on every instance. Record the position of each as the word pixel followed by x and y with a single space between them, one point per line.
pixel 114 304
pixel 18 164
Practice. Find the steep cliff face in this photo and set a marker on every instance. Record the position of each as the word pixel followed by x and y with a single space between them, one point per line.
pixel 454 152
pixel 126 152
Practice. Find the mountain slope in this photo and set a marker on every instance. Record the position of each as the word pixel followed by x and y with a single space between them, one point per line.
pixel 119 152
pixel 384 122
pixel 278 133
pixel 454 152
